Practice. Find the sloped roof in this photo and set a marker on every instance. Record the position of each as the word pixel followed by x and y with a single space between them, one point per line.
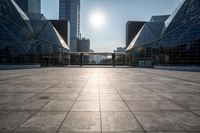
pixel 149 32
pixel 185 12
pixel 161 18
pixel 11 11
pixel 50 34
pixel 34 24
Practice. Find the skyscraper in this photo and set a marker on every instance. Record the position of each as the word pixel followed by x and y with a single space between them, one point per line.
pixel 70 10
pixel 33 6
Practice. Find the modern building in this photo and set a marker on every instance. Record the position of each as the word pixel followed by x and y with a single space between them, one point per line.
pixel 96 59
pixel 63 28
pixel 70 10
pixel 132 28
pixel 120 49
pixel 28 38
pixel 84 45
pixel 160 18
pixel 33 6
pixel 169 41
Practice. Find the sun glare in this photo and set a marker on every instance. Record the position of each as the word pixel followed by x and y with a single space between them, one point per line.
pixel 97 20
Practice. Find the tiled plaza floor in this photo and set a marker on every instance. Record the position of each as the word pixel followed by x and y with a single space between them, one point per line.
pixel 95 100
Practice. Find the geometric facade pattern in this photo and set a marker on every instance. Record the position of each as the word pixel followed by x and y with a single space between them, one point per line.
pixel 28 38
pixel 178 42
pixel 149 32
pixel 162 18
pixel 132 28
pixel 188 10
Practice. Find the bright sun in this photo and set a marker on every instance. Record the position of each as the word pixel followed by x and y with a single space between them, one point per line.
pixel 97 20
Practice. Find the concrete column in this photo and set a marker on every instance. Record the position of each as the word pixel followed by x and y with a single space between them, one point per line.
pixel 81 59
pixel 113 59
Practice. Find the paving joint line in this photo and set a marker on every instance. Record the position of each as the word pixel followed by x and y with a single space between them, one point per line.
pixel 185 109
pixel 176 111
pixel 126 104
pixel 168 76
pixel 101 128
pixel 30 117
pixel 73 104
pixel 27 100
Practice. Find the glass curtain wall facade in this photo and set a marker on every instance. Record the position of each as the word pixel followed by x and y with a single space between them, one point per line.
pixel 29 5
pixel 174 41
pixel 70 10
pixel 28 38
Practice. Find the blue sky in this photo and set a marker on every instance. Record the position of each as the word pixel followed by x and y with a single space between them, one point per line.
pixel 117 13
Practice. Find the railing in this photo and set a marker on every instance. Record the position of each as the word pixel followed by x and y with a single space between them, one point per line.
pixel 97 58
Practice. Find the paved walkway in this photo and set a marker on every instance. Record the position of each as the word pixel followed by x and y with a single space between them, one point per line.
pixel 94 100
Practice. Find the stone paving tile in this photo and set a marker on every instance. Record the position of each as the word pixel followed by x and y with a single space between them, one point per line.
pixel 10 120
pixel 86 106
pixel 187 120
pixel 182 97
pixel 158 121
pixel 6 107
pixel 43 122
pixel 153 105
pixel 129 89
pixel 88 97
pixel 113 106
pixel 58 105
pixel 133 97
pixel 82 132
pixel 119 121
pixel 90 90
pixel 106 87
pixel 58 96
pixel 31 132
pixel 110 97
pixel 125 132
pixel 190 105
pixel 82 121
pixel 108 91
pixel 197 112
pixel 170 132
pixel 69 97
pixel 30 105
pixel 16 98
pixel 170 88
pixel 62 90
pixel 88 100
pixel 153 97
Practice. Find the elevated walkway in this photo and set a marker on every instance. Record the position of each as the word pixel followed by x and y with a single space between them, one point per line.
pixel 80 56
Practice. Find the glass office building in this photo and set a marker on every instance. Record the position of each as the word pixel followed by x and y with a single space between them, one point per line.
pixel 29 5
pixel 28 38
pixel 70 10
pixel 169 40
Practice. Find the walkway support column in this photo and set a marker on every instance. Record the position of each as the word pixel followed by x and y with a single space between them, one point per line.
pixel 113 59
pixel 81 59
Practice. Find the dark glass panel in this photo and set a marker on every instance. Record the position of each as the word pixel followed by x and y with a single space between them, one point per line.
pixel 150 32
pixel 189 10
pixel 38 26
pixel 14 14
pixel 34 16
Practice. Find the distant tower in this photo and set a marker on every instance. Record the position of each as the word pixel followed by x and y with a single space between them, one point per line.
pixel 33 6
pixel 70 10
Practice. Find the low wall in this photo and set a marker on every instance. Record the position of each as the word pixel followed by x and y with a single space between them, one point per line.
pixel 178 68
pixel 3 67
